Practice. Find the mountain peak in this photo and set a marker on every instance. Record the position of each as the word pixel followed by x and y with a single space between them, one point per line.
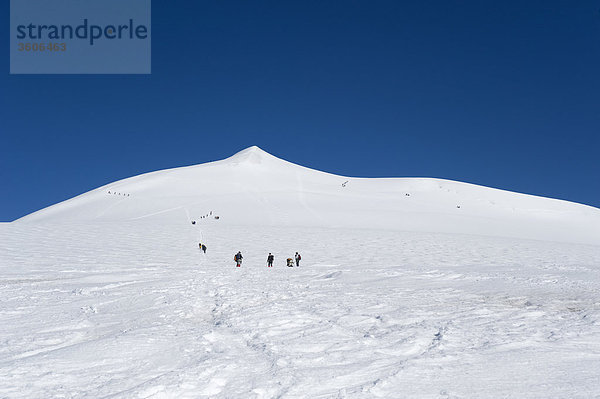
pixel 252 149
pixel 256 188
pixel 253 154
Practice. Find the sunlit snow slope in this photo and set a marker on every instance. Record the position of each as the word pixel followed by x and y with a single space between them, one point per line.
pixel 255 188
pixel 108 295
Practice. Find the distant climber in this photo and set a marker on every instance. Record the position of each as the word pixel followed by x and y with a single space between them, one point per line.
pixel 193 222
pixel 203 248
pixel 238 259
pixel 297 257
pixel 270 260
pixel 290 262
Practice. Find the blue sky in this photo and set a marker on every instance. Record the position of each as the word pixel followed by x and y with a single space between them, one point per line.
pixel 502 94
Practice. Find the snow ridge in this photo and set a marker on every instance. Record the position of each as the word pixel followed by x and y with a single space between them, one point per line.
pixel 256 188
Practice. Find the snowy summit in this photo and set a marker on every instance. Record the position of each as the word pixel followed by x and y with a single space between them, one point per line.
pixel 255 188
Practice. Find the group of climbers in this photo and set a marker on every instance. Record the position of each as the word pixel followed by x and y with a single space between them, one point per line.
pixel 270 258
pixel 289 261
pixel 237 258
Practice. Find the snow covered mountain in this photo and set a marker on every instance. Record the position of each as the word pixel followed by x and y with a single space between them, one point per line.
pixel 107 295
pixel 257 189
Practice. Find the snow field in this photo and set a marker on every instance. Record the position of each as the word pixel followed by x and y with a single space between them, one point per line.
pixel 135 310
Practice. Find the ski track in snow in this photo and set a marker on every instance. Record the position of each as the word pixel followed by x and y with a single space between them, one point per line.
pixel 135 310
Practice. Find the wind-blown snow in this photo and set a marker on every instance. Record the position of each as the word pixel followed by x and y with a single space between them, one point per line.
pixel 108 295
pixel 134 310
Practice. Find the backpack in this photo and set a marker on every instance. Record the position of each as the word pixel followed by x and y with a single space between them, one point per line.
pixel 299 257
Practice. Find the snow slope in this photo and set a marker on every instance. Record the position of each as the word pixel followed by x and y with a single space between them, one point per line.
pixel 107 295
pixel 135 310
pixel 255 188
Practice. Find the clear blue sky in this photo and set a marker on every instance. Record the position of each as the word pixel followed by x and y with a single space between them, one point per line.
pixel 499 93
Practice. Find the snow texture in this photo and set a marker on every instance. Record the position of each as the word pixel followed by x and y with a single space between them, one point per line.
pixel 451 291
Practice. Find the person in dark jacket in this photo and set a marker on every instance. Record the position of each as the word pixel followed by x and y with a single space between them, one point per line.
pixel 270 260
pixel 238 259
pixel 297 257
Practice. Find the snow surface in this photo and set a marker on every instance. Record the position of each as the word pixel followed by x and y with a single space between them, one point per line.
pixel 108 295
pixel 257 189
